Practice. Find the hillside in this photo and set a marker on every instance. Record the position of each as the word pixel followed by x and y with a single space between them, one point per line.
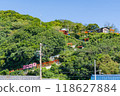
pixel 20 39
pixel 104 48
pixel 20 36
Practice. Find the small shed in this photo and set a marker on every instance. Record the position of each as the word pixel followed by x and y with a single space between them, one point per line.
pixel 86 39
pixel 64 30
pixel 80 47
pixel 106 77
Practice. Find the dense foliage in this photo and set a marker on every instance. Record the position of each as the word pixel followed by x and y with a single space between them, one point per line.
pixel 104 48
pixel 20 36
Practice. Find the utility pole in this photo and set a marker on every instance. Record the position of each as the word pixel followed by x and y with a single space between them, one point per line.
pixel 119 67
pixel 95 68
pixel 40 61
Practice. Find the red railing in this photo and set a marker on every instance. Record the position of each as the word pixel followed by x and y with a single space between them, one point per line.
pixel 44 64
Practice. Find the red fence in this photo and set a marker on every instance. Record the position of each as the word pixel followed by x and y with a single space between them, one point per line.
pixel 37 65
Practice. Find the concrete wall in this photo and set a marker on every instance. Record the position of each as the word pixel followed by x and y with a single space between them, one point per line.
pixel 19 77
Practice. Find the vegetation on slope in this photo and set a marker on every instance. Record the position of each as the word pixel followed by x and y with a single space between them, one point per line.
pixel 20 36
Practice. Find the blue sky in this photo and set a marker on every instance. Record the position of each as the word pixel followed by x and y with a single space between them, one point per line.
pixel 82 11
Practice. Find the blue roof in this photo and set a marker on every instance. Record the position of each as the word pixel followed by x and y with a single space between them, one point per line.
pixel 106 77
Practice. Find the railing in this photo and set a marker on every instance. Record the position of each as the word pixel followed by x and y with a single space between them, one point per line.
pixel 37 65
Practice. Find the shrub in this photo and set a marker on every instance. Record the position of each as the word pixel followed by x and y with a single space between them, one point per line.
pixel 4 72
pixel 18 72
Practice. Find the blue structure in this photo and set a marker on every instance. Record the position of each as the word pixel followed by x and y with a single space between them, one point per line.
pixel 106 77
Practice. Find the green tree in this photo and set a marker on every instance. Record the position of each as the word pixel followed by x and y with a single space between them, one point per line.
pixel 79 28
pixel 4 72
pixel 107 65
pixel 92 27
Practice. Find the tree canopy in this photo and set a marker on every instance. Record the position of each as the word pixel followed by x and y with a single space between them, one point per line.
pixel 20 36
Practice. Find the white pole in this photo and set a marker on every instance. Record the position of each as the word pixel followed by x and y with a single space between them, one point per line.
pixel 95 68
pixel 40 61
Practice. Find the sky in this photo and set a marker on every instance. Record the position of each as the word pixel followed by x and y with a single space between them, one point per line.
pixel 100 12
